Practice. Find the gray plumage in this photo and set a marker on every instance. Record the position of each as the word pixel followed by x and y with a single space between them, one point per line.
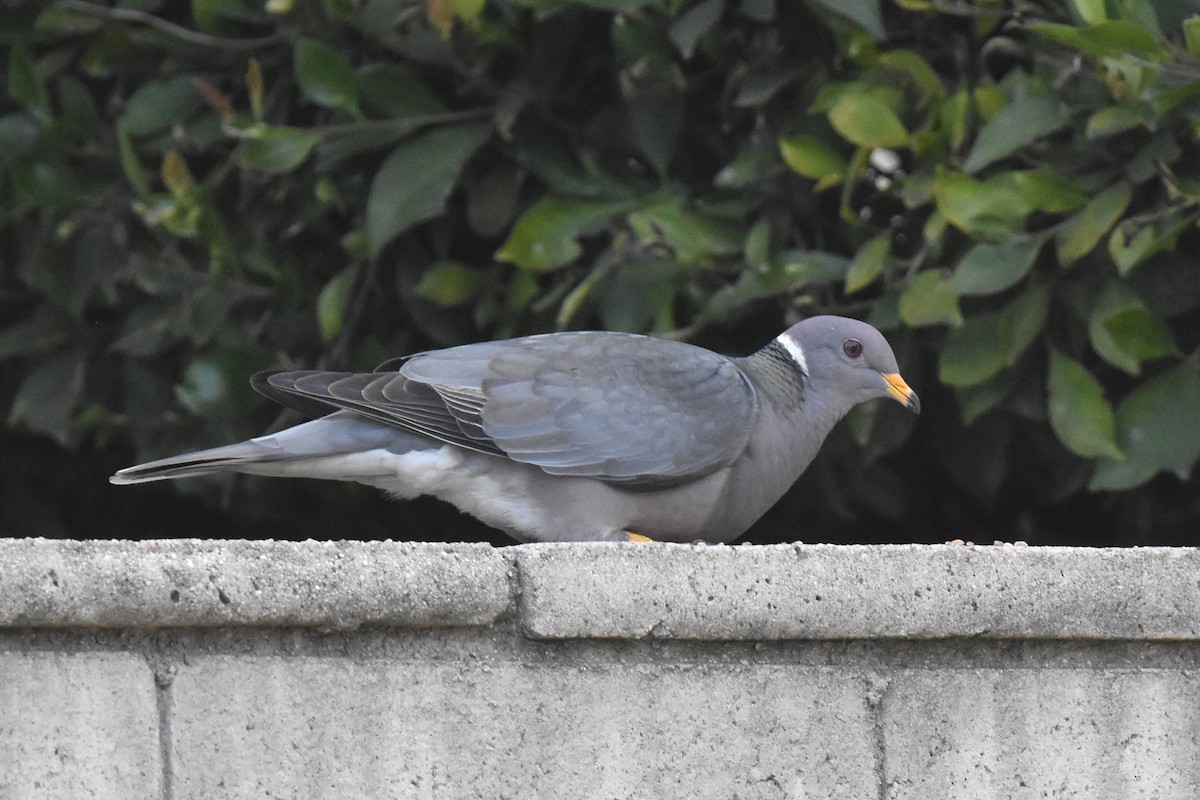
pixel 575 436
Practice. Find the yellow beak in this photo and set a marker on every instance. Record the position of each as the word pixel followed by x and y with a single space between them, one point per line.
pixel 900 390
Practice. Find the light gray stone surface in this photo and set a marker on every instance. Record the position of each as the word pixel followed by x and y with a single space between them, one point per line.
pixel 201 583
pixel 322 728
pixel 782 592
pixel 77 725
pixel 607 591
pixel 193 670
pixel 1025 734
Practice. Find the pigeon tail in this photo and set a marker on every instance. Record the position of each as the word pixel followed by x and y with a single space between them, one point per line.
pixel 230 458
pixel 341 446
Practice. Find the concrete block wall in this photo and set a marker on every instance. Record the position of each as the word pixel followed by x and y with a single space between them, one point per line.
pixel 189 670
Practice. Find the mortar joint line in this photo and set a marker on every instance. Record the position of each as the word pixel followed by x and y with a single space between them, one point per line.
pixel 164 678
pixel 878 687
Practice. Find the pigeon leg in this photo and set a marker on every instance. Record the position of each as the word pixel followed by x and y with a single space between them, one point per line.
pixel 630 536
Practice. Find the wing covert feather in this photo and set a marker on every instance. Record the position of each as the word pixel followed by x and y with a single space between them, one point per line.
pixel 621 408
pixel 617 407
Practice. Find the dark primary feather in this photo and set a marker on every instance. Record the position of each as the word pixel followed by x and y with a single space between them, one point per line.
pixel 618 407
pixel 415 408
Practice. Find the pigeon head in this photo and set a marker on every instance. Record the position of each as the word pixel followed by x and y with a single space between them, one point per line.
pixel 850 357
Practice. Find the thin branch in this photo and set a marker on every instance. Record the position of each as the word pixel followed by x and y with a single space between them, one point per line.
pixel 166 26
pixel 401 124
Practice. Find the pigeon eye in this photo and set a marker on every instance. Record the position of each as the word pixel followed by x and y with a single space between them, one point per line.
pixel 852 348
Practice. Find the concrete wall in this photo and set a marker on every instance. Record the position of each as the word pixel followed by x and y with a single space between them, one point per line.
pixel 194 670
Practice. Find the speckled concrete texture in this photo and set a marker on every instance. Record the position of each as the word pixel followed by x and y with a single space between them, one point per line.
pixel 78 725
pixel 782 592
pixel 187 582
pixel 519 730
pixel 1025 734
pixel 185 670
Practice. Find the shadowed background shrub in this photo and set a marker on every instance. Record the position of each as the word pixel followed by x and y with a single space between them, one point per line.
pixel 194 192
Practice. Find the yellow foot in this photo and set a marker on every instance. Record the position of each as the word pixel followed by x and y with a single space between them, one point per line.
pixel 630 536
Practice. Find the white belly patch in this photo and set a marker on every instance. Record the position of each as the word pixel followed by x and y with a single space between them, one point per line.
pixel 493 489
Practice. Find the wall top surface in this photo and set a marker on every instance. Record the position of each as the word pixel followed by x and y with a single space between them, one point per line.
pixel 609 591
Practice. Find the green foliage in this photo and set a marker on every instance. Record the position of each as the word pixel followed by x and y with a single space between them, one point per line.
pixel 187 196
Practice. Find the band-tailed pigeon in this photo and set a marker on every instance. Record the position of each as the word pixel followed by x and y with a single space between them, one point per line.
pixel 575 436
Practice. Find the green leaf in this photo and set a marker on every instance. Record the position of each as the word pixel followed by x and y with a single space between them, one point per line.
pixel 867 121
pixel 1167 98
pixel 639 296
pixel 654 100
pixel 792 271
pixel 956 114
pixel 1142 335
pixel 868 263
pixel 1115 119
pixel 24 84
pixel 335 148
pixel 545 237
pixel 132 168
pixel 1014 126
pixel 917 70
pixel 278 149
pixel 987 343
pixel 157 106
pixel 575 298
pixel 1079 415
pixel 47 184
pixel 1158 428
pixel 803 267
pixel 214 384
pixel 758 87
pixel 493 198
pixel 333 301
pixel 991 209
pixel 691 236
pixel 413 183
pixel 745 170
pixel 973 352
pixel 1167 284
pixel 1080 235
pixel 1047 190
pixel 47 397
pixel 652 88
pixel 692 24
pixel 42 331
pixel 18 132
pixel 397 93
pixel 555 161
pixel 991 268
pixel 176 176
pixel 866 14
pixel 756 251
pixel 1112 39
pixel 255 88
pixel 976 400
pixel 930 299
pixel 449 283
pixel 467 10
pixel 1191 36
pixel 758 10
pixel 1130 245
pixel 812 158
pixel 1090 11
pixel 1022 322
pixel 326 76
pixel 1124 332
pixel 209 14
